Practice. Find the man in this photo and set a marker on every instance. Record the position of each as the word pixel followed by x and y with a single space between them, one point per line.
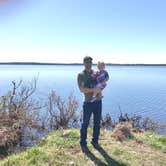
pixel 86 85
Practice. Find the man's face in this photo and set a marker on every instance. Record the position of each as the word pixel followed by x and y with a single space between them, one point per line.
pixel 88 64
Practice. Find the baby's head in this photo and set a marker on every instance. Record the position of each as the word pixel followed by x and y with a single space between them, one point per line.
pixel 101 65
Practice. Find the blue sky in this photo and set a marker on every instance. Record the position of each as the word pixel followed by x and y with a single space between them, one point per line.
pixel 116 31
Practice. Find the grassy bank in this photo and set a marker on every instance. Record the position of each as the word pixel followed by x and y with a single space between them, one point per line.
pixel 62 148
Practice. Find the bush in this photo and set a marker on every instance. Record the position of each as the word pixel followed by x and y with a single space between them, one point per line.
pixel 62 114
pixel 138 123
pixel 17 114
pixel 122 131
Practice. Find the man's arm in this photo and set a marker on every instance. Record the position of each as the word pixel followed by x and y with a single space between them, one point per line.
pixel 86 90
pixel 90 90
pixel 83 89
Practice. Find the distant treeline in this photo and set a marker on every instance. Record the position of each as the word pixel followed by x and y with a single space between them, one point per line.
pixel 111 64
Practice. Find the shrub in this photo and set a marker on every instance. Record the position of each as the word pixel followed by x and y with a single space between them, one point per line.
pixel 62 114
pixel 17 114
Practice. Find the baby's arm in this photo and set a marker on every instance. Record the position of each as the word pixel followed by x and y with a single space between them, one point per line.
pixel 105 80
pixel 94 75
pixel 106 76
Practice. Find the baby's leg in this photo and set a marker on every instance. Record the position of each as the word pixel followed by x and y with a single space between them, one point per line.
pixel 98 85
pixel 100 94
pixel 94 94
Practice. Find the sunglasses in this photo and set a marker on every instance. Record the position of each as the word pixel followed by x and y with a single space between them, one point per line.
pixel 88 62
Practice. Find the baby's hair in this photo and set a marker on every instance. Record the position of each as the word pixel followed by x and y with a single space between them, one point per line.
pixel 101 63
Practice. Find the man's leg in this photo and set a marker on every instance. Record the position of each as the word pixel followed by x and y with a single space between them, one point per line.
pixel 87 111
pixel 97 109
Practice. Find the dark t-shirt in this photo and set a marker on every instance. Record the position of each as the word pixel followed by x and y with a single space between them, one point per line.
pixel 86 80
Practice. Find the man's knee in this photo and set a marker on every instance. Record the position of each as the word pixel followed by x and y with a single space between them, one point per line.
pixel 84 125
pixel 97 123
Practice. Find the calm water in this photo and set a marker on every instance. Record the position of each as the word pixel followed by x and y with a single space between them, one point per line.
pixel 138 90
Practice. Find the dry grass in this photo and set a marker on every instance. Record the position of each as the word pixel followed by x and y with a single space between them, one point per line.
pixel 122 131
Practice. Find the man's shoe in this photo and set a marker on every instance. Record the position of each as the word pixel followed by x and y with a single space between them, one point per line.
pixel 84 148
pixel 83 143
pixel 94 143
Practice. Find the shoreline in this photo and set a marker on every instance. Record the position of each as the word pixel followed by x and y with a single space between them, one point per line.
pixel 75 64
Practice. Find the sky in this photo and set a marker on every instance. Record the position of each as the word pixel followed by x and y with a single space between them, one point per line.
pixel 64 31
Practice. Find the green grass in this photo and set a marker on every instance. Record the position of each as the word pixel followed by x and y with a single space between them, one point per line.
pixel 154 140
pixel 118 152
pixel 61 148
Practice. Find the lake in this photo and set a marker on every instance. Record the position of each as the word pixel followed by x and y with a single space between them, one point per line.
pixel 137 90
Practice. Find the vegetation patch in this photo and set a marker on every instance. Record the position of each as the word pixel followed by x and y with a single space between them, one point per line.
pixel 61 147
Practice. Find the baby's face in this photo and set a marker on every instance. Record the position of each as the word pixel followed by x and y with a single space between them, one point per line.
pixel 100 67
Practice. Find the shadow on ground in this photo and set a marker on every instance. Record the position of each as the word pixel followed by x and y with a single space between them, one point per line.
pixel 97 161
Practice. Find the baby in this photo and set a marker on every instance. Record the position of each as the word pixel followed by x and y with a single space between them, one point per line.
pixel 101 77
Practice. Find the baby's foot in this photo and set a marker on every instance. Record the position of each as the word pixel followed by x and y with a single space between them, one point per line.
pixel 93 99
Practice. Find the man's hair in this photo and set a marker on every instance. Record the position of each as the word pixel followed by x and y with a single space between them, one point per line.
pixel 87 58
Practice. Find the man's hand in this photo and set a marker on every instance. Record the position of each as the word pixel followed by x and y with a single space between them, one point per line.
pixel 96 90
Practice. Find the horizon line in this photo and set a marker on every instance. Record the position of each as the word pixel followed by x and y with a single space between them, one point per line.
pixel 57 63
